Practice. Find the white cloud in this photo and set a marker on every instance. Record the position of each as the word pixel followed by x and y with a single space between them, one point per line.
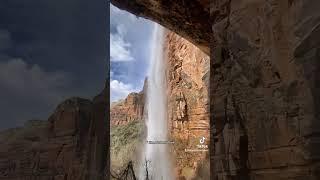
pixel 129 38
pixel 116 12
pixel 119 90
pixel 121 29
pixel 120 46
pixel 119 49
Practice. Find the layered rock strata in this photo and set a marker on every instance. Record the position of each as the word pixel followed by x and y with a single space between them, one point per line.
pixel 188 111
pixel 129 109
pixel 264 97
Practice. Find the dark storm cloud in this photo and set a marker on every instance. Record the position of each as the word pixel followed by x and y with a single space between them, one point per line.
pixel 49 50
pixel 29 92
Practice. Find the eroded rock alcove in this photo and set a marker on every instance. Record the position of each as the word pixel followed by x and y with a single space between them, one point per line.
pixel 264 97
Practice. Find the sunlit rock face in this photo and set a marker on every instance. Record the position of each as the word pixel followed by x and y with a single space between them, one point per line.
pixel 67 146
pixel 264 92
pixel 188 111
pixel 129 109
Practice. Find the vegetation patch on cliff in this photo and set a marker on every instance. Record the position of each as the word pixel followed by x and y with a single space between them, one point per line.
pixel 126 140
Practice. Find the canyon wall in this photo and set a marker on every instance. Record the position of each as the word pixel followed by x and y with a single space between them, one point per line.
pixel 67 146
pixel 264 76
pixel 127 132
pixel 187 76
pixel 264 92
pixel 129 109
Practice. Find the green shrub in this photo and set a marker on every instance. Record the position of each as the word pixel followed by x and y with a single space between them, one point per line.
pixel 125 143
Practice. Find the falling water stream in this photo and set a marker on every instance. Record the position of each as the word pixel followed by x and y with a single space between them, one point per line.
pixel 160 165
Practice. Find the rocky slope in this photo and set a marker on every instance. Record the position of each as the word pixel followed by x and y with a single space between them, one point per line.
pixel 70 145
pixel 188 111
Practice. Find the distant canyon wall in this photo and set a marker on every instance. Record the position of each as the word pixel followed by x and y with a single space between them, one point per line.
pixel 131 108
pixel 67 146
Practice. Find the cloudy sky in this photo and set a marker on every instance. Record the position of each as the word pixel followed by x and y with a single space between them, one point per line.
pixel 51 50
pixel 130 37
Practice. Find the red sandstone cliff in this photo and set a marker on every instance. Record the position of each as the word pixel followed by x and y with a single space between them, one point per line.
pixel 129 109
pixel 188 115
pixel 127 131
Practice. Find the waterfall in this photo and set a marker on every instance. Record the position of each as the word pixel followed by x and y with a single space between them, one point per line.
pixel 160 165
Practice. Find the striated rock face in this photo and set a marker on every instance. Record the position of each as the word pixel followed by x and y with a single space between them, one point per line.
pixel 63 147
pixel 264 92
pixel 129 109
pixel 190 19
pixel 188 110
